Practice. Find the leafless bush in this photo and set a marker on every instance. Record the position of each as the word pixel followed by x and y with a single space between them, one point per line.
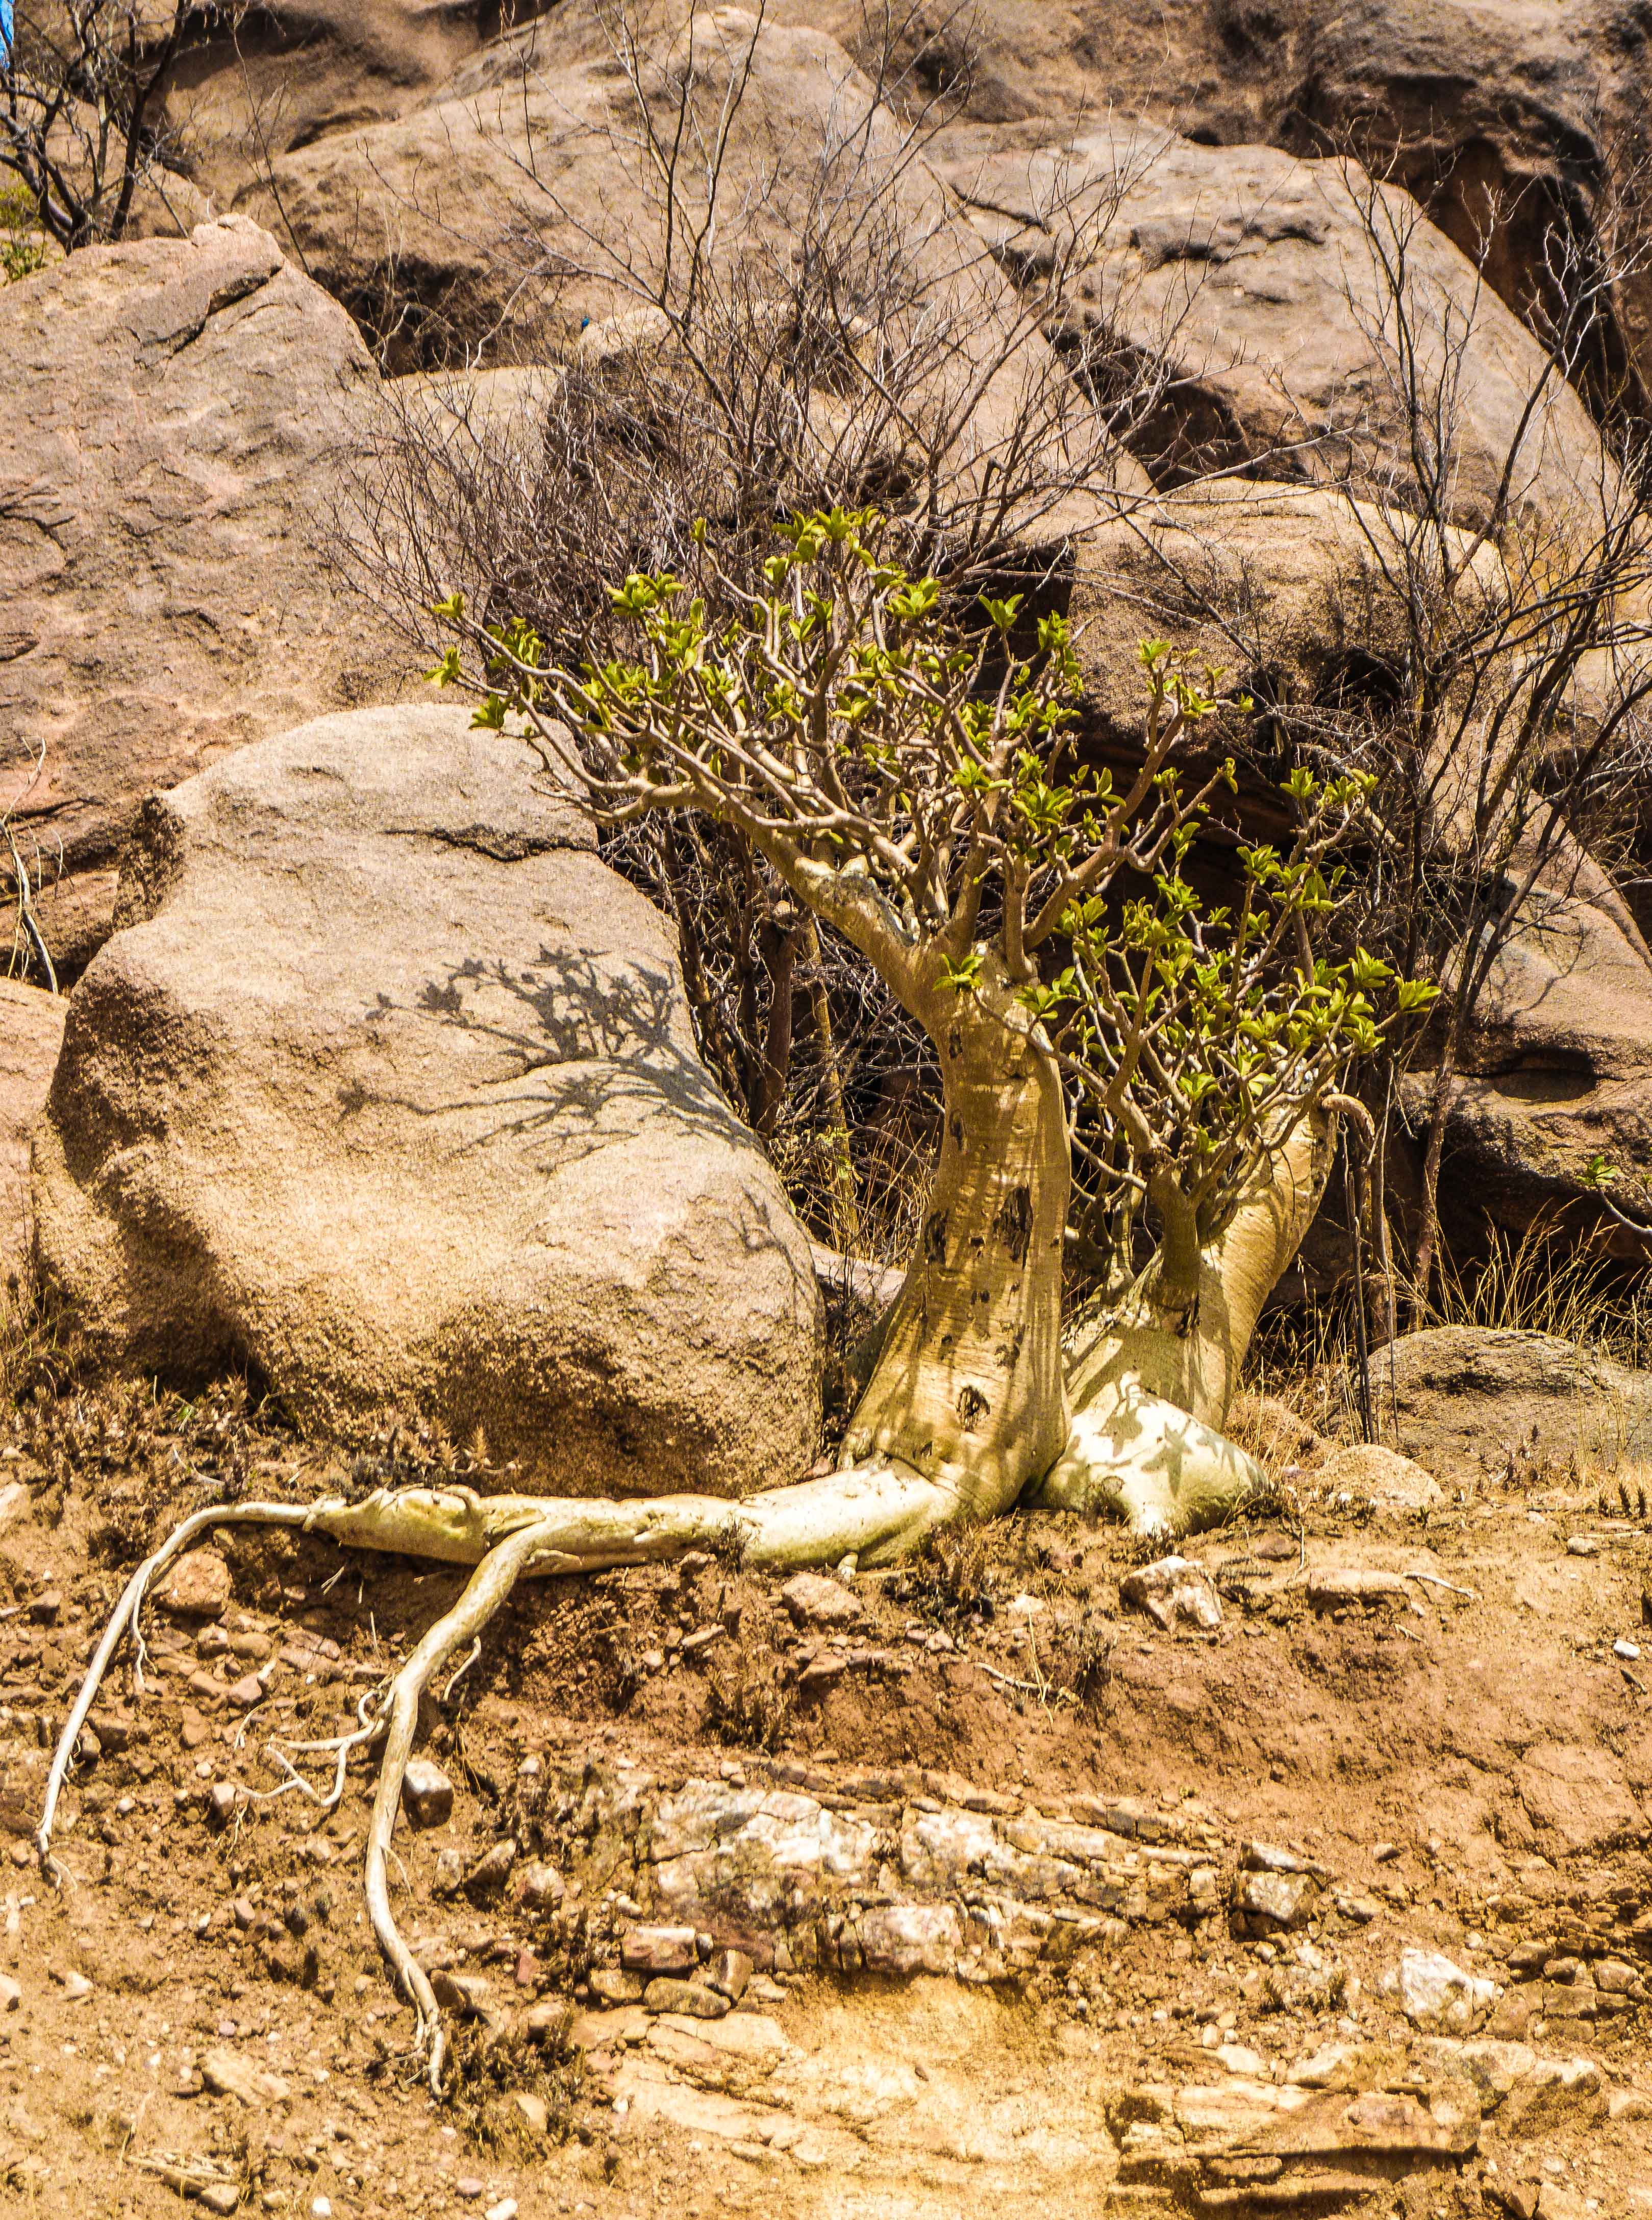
pixel 24 869
pixel 83 91
pixel 836 335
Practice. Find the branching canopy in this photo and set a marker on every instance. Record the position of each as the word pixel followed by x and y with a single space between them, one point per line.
pixel 917 776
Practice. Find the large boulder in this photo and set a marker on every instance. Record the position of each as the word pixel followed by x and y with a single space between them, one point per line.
pixel 169 452
pixel 527 204
pixel 506 214
pixel 1558 1068
pixel 1464 1401
pixel 1530 115
pixel 1534 109
pixel 386 1090
pixel 249 86
pixel 31 1033
pixel 1264 285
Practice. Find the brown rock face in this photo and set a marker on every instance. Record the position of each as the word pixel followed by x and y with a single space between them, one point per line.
pixel 31 1033
pixel 1257 276
pixel 299 69
pixel 1460 1400
pixel 388 1091
pixel 167 455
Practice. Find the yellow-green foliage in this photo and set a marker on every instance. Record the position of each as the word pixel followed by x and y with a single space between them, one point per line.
pixel 22 247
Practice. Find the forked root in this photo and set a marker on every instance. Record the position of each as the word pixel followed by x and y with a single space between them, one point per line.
pixel 873 1511
pixel 125 1615
pixel 485 1592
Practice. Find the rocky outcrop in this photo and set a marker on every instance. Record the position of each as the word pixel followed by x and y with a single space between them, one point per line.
pixel 31 1033
pixel 1464 1401
pixel 386 1090
pixel 1557 1067
pixel 168 457
pixel 1267 287
pixel 508 213
pixel 1533 109
pixel 529 203
pixel 248 91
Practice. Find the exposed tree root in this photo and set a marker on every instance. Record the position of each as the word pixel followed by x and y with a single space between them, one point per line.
pixel 1134 1453
pixel 487 1589
pixel 871 1511
pixel 126 1615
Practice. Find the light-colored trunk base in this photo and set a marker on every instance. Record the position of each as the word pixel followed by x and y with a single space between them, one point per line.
pixel 1139 1458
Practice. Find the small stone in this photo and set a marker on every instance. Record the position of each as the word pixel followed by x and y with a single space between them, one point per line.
pixel 547 2022
pixel 1278 1899
pixel 427 1793
pixel 244 1912
pixel 198 1586
pixel 1264 1857
pixel 813 1599
pixel 1557 2094
pixel 1391 1481
pixel 254 1648
pixel 450 1872
pixel 702 1638
pixel 1352 1905
pixel 1174 1591
pixel 539 1887
pixel 665 1995
pixel 194 1729
pixel 224 2197
pixel 211 1642
pixel 728 1971
pixel 76 1987
pixel 221 1804
pixel 1439 1997
pixel 45 1610
pixel 1556 2202
pixel 1629 2104
pixel 321 2208
pixel 247 1692
pixel 659 1950
pixel 1357 1588
pixel 533 2109
pixel 487 1877
pixel 1617 1976
pixel 228 2074
pixel 505 2209
pixel 469 2188
pixel 11 1994
pixel 1630 1650
pixel 467 1994
pixel 610 1986
pixel 1582 1545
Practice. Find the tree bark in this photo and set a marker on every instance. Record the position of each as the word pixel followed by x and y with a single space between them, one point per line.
pixel 968 1386
pixel 1149 1390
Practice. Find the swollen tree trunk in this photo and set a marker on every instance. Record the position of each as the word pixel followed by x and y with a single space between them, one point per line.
pixel 1149 1390
pixel 968 1388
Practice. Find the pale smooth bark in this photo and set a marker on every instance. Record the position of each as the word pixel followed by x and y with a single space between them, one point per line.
pixel 1149 1390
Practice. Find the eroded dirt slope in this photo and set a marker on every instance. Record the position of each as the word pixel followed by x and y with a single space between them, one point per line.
pixel 1027 1903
